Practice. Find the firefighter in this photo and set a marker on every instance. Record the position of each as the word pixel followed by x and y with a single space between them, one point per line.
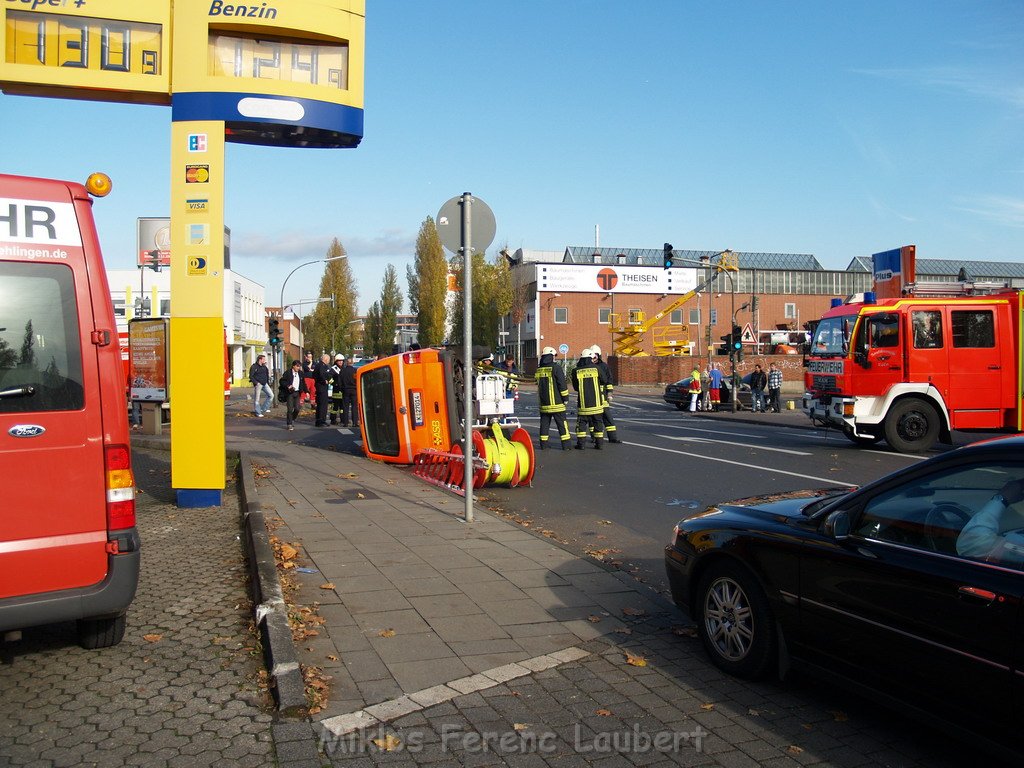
pixel 587 381
pixel 610 430
pixel 336 392
pixel 553 393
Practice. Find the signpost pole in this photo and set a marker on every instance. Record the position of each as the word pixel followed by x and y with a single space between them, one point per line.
pixel 467 348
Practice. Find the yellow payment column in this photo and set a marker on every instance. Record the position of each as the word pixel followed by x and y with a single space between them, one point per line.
pixel 285 73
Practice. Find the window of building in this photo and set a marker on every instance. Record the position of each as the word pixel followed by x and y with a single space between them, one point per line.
pixel 694 317
pixel 603 315
pixel 676 317
pixel 119 307
pixel 165 307
pixel 561 315
pixel 790 310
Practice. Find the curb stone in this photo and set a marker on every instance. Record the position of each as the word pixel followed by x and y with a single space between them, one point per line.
pixel 270 611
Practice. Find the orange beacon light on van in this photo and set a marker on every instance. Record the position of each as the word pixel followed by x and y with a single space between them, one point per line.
pixel 408 403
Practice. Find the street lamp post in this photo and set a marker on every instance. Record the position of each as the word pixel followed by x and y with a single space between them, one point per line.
pixel 281 304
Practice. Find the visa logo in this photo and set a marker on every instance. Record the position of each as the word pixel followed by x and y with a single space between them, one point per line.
pixel 197 205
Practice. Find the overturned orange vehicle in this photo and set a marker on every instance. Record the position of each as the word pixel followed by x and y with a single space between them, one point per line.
pixel 410 406
pixel 409 402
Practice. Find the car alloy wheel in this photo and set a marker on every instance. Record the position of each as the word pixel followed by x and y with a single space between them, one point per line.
pixel 736 624
pixel 728 619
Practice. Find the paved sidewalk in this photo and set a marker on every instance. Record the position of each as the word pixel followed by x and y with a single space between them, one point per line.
pixel 485 644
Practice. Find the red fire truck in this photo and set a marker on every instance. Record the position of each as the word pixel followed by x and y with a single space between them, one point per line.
pixel 913 368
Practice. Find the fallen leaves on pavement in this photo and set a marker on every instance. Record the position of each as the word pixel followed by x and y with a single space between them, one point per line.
pixel 389 743
pixel 635 661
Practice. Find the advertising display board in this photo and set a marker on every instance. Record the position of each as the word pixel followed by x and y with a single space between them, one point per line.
pixel 147 359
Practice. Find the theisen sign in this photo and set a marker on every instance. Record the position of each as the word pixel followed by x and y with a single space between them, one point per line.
pixel 586 278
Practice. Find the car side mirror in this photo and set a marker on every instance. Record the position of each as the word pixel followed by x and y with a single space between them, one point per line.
pixel 837 525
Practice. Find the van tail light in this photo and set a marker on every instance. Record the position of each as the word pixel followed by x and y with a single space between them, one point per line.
pixel 120 488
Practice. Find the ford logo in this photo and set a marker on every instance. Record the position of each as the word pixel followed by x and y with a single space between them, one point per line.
pixel 26 430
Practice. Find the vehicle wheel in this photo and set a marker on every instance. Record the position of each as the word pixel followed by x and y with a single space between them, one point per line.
pixel 860 440
pixel 912 426
pixel 680 407
pixel 736 624
pixel 101 633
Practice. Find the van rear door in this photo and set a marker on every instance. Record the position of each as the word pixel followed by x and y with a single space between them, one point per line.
pixel 53 528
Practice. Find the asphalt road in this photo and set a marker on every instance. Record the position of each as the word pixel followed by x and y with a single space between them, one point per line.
pixel 622 502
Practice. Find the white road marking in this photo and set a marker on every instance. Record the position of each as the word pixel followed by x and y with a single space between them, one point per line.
pixel 687 438
pixel 743 464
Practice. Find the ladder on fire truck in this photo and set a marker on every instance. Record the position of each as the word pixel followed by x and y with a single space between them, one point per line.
pixel 627 339
pixel 958 288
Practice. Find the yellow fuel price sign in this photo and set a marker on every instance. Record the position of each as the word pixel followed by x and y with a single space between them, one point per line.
pixel 103 49
pixel 280 73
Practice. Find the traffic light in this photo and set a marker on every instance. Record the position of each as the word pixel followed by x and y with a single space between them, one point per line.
pixel 736 345
pixel 153 260
pixel 274 336
pixel 668 255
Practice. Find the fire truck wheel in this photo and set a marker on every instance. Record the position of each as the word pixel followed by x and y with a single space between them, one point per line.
pixel 912 426
pixel 860 439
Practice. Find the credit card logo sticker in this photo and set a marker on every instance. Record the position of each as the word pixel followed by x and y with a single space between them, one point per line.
pixel 198 234
pixel 197 174
pixel 196 265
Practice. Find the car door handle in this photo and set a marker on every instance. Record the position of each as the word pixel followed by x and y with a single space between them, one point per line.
pixel 975 593
pixel 995 367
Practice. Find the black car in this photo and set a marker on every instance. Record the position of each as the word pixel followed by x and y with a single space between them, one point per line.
pixel 678 393
pixel 910 587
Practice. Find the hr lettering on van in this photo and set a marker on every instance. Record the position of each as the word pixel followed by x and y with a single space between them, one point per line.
pixel 28 221
pixel 41 222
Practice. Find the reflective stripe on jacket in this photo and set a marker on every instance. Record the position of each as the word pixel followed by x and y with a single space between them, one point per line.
pixel 552 391
pixel 587 380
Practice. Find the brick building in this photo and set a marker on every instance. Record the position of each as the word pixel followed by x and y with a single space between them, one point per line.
pixel 578 296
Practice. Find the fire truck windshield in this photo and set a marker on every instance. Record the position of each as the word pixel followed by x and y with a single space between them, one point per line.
pixel 832 336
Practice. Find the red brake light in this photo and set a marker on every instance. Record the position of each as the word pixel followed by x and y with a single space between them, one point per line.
pixel 120 484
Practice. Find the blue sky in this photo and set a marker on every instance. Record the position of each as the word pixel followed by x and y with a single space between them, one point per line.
pixel 800 127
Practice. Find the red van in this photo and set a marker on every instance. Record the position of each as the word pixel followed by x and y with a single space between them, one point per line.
pixel 69 548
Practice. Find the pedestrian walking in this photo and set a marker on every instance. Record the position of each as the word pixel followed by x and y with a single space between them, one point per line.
pixel 309 374
pixel 334 391
pixel 586 380
pixel 610 430
pixel 694 388
pixel 758 383
pixel 552 394
pixel 774 388
pixel 323 379
pixel 292 386
pixel 259 377
pixel 715 386
pixel 347 381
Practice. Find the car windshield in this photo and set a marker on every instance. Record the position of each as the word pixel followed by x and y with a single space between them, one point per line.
pixel 832 337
